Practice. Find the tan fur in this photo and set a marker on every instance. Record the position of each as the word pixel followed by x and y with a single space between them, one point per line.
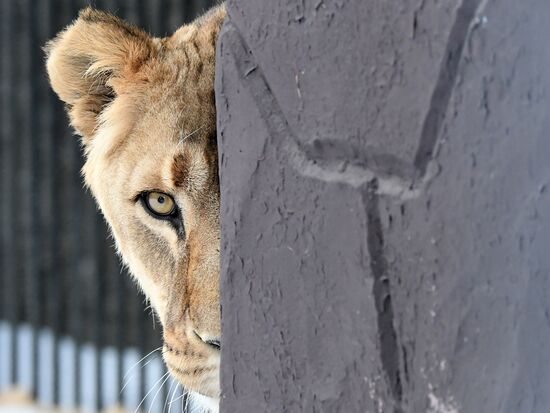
pixel 145 110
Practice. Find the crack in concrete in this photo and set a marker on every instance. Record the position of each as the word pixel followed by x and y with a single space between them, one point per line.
pixel 257 84
pixel 353 175
pixel 444 86
pixel 389 352
pixel 367 157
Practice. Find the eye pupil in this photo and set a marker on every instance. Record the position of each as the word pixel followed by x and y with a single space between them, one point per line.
pixel 160 200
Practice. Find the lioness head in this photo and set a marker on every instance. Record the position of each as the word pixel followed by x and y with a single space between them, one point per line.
pixel 145 109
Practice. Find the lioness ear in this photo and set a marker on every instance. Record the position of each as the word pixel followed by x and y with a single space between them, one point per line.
pixel 85 61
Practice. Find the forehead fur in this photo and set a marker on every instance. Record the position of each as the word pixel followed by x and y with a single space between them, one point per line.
pixel 170 99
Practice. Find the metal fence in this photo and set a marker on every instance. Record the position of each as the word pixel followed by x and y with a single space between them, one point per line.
pixel 71 320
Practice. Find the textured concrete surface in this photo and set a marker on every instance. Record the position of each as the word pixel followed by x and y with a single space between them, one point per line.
pixel 385 198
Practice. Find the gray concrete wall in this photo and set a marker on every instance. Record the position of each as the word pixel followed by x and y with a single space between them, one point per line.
pixel 385 206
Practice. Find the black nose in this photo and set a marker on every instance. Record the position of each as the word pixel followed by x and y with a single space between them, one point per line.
pixel 214 343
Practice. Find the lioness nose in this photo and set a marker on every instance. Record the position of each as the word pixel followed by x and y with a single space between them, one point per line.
pixel 207 339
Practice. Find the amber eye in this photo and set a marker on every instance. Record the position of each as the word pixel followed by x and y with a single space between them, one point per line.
pixel 160 203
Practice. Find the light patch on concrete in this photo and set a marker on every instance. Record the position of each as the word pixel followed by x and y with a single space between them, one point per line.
pixel 439 406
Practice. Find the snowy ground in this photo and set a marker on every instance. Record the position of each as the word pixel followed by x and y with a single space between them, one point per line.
pixel 16 401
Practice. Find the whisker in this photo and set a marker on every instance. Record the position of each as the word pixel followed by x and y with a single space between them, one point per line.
pixel 168 396
pixel 186 404
pixel 173 394
pixel 134 366
pixel 133 375
pixel 178 398
pixel 149 392
pixel 190 134
pixel 140 360
pixel 157 393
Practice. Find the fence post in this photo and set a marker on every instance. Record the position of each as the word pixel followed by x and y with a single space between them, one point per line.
pixel 385 223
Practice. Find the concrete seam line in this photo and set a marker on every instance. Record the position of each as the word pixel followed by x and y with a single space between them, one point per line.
pixel 448 71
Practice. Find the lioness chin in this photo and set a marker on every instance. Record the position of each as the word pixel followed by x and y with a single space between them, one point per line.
pixel 145 110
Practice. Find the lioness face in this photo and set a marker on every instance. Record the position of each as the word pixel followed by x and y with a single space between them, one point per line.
pixel 145 110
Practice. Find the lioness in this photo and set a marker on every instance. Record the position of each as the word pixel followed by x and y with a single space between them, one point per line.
pixel 145 110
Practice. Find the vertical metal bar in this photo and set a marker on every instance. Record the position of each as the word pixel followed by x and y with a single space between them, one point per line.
pixel 191 9
pixel 16 221
pixel 43 143
pixel 204 5
pixel 3 148
pixel 143 15
pixel 162 22
pixel 8 134
pixel 78 232
pixel 84 274
pixel 174 19
pixel 35 233
pixel 100 300
pixel 7 158
pixel 55 277
pixel 22 167
pixel 77 325
pixel 49 215
pixel 57 162
pixel 68 215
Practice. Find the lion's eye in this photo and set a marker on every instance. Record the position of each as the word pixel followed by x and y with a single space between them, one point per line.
pixel 159 203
